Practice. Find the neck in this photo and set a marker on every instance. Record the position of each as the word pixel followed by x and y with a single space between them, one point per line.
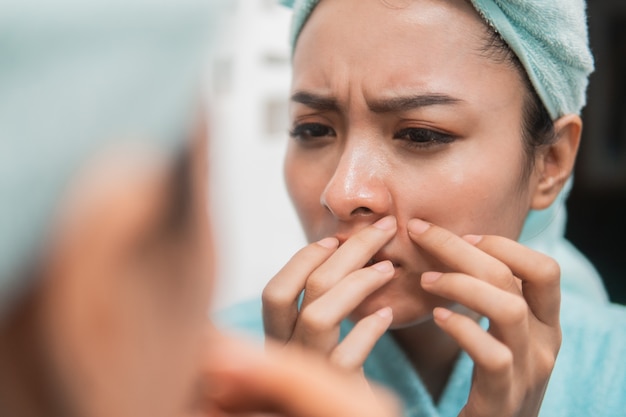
pixel 431 352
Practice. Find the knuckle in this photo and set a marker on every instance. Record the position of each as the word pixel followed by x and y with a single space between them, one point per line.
pixel 501 362
pixel 546 359
pixel 549 270
pixel 315 286
pixel 314 321
pixel 515 311
pixel 500 273
pixel 557 340
pixel 343 359
pixel 276 296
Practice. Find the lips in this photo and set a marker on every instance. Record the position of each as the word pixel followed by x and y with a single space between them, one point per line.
pixel 379 258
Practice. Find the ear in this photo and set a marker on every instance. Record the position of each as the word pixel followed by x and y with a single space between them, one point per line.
pixel 555 163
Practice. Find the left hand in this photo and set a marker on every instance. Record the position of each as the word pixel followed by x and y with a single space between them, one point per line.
pixel 518 290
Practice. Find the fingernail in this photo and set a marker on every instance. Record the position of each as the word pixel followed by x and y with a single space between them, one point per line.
pixel 385 312
pixel 431 276
pixel 417 226
pixel 383 266
pixel 329 242
pixel 440 313
pixel 473 239
pixel 386 223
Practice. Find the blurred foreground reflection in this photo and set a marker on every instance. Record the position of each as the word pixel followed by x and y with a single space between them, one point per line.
pixel 106 256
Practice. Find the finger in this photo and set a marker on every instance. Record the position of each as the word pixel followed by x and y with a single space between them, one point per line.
pixel 280 296
pixel 507 313
pixel 539 273
pixel 357 345
pixel 352 255
pixel 317 326
pixel 460 255
pixel 493 361
pixel 493 391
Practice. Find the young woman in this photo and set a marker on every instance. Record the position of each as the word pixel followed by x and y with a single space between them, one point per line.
pixel 428 137
pixel 106 262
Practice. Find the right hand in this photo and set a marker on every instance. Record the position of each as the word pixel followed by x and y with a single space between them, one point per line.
pixel 335 281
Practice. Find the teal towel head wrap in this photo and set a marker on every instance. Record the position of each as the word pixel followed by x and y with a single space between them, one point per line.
pixel 75 76
pixel 550 39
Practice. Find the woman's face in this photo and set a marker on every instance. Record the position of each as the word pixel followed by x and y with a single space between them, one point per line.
pixel 397 109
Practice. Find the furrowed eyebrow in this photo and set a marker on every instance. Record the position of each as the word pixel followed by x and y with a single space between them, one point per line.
pixel 399 104
pixel 315 101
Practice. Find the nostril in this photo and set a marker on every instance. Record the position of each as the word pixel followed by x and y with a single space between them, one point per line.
pixel 361 211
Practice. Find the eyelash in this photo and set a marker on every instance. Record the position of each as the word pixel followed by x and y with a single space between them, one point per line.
pixel 309 133
pixel 423 138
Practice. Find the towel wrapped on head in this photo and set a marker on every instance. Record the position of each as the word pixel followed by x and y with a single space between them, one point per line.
pixel 549 37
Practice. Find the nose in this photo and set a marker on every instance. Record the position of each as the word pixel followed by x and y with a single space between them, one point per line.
pixel 357 187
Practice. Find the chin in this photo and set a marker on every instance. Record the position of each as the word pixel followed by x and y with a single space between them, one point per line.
pixel 408 309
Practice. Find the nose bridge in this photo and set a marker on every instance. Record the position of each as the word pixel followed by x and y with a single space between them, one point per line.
pixel 358 185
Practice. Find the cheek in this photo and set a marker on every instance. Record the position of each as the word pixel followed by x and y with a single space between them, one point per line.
pixel 497 196
pixel 466 193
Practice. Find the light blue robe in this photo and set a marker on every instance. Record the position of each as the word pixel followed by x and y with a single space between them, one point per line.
pixel 589 379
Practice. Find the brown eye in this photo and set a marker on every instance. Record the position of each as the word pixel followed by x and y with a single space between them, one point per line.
pixel 311 132
pixel 420 137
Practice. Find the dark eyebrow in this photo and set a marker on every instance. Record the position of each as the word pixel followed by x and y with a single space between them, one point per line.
pixel 399 104
pixel 315 101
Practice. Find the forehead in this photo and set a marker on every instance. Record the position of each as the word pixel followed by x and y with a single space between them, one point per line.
pixel 435 45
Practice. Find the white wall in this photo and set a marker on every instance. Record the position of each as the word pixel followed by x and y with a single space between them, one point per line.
pixel 255 226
